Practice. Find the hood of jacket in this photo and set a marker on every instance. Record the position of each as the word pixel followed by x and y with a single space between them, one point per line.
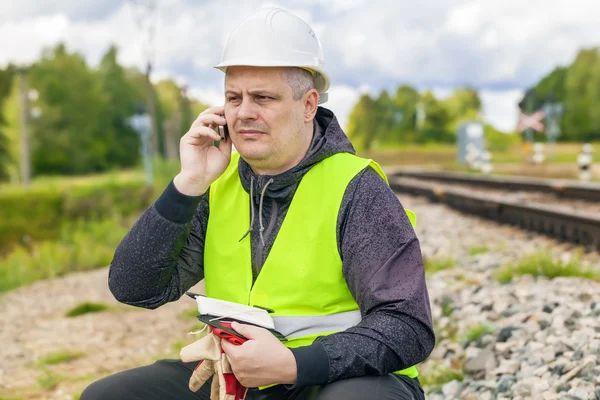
pixel 328 139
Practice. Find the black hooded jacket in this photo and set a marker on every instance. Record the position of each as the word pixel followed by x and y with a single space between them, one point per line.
pixel 161 257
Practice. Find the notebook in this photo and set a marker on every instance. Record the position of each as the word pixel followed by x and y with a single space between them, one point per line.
pixel 233 311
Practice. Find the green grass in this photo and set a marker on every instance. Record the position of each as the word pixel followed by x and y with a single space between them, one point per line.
pixel 60 357
pixel 447 306
pixel 86 308
pixel 476 331
pixel 48 380
pixel 543 264
pixel 473 251
pixel 436 377
pixel 435 264
pixel 82 246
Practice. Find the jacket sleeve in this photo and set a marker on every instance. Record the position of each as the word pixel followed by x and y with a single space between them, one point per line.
pixel 162 255
pixel 383 267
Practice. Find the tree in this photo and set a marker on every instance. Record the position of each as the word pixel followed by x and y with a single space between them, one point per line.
pixel 362 121
pixel 5 156
pixel 122 97
pixel 463 104
pixel 580 94
pixel 69 138
pixel 436 120
pixel 406 100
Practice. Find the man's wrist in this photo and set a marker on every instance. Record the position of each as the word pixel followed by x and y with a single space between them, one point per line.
pixel 289 373
pixel 188 186
pixel 312 365
pixel 175 206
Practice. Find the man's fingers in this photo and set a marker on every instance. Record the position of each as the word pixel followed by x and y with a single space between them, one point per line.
pixel 250 331
pixel 209 119
pixel 213 115
pixel 219 110
pixel 199 133
pixel 228 348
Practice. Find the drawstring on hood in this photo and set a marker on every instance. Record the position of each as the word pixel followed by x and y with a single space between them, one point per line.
pixel 251 209
pixel 260 208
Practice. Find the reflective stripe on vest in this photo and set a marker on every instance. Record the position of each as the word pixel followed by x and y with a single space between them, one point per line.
pixel 298 326
pixel 302 278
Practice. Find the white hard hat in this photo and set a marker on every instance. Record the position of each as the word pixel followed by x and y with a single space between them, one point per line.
pixel 273 37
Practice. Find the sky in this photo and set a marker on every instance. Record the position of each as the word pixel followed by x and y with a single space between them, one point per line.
pixel 499 47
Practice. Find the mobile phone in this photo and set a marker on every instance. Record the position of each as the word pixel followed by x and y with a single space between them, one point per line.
pixel 225 132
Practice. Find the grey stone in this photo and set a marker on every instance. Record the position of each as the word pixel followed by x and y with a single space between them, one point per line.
pixel 451 389
pixel 505 334
pixel 485 361
pixel 505 383
pixel 563 388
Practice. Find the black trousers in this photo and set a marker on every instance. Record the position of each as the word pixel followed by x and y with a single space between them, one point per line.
pixel 168 380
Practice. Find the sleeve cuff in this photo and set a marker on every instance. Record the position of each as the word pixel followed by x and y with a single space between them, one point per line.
pixel 176 206
pixel 312 364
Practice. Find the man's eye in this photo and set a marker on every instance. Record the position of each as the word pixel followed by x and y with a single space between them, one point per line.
pixel 232 98
pixel 265 98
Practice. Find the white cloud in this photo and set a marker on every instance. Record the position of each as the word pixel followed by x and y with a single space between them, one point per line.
pixel 341 101
pixel 500 108
pixel 369 45
pixel 212 97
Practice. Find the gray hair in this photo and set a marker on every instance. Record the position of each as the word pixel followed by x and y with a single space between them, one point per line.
pixel 300 80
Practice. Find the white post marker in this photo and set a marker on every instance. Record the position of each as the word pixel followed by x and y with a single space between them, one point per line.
pixel 486 162
pixel 538 153
pixel 585 162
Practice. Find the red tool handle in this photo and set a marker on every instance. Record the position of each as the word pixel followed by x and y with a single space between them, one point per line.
pixel 226 335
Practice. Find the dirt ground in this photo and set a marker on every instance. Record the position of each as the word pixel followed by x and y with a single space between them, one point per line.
pixel 33 326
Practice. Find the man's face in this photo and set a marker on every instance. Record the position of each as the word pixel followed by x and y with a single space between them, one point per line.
pixel 265 122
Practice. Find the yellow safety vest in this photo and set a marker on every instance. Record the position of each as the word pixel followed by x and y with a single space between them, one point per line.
pixel 302 278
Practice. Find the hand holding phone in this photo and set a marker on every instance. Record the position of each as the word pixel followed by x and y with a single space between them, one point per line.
pixel 201 162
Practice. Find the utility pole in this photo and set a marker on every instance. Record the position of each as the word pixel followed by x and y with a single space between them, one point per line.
pixel 144 12
pixel 25 143
pixel 152 108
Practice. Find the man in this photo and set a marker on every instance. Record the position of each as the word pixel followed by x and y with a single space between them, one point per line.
pixel 293 221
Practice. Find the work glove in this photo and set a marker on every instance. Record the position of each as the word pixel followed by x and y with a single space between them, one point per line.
pixel 213 362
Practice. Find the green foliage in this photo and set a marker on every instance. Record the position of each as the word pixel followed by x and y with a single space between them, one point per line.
pixel 47 380
pixel 499 142
pixel 81 246
pixel 5 156
pixel 362 122
pixel 447 306
pixel 123 92
pixel 389 121
pixel 433 265
pixel 543 264
pixel 70 137
pixel 477 331
pixel 576 87
pixel 473 251
pixel 437 376
pixel 41 211
pixel 60 357
pixel 86 308
pixel 83 126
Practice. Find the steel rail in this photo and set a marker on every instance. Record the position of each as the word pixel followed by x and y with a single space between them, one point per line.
pixel 572 226
pixel 564 188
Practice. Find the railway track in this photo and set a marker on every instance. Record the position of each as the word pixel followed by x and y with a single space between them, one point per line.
pixel 516 201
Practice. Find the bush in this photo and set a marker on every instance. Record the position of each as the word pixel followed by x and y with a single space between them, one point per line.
pixel 41 212
pixel 82 245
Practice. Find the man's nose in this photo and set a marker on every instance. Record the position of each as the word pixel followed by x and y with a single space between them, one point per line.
pixel 247 109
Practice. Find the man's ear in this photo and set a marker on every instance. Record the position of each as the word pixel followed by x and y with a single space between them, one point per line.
pixel 311 103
